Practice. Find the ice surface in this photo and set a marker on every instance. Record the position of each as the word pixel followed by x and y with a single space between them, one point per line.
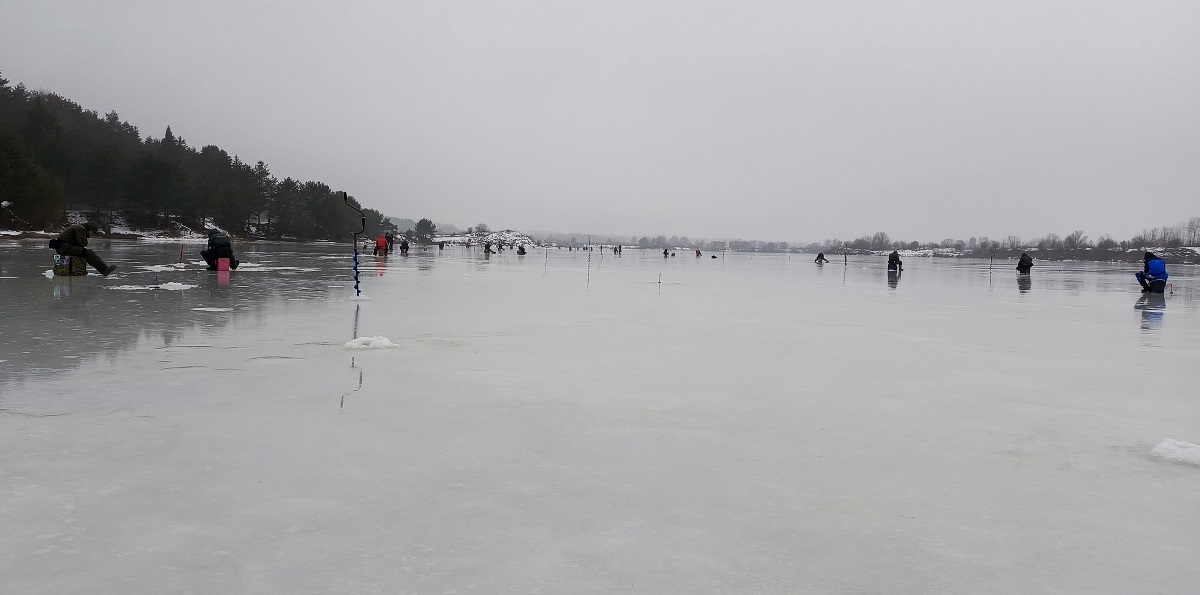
pixel 751 424
pixel 1178 451
pixel 370 343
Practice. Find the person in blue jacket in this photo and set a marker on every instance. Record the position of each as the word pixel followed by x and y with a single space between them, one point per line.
pixel 1154 276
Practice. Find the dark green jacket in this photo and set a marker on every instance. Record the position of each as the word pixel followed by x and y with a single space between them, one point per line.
pixel 76 234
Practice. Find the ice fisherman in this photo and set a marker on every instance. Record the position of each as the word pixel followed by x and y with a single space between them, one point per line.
pixel 73 242
pixel 381 245
pixel 219 246
pixel 521 250
pixel 821 258
pixel 894 263
pixel 1025 263
pixel 1153 277
pixel 404 246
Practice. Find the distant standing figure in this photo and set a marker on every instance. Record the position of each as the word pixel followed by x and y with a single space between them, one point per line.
pixel 697 253
pixel 391 239
pixel 487 248
pixel 381 245
pixel 666 253
pixel 73 242
pixel 1153 277
pixel 1025 263
pixel 219 246
pixel 894 263
pixel 821 258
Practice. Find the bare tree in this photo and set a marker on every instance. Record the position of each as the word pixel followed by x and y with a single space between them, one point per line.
pixel 1193 231
pixel 1075 240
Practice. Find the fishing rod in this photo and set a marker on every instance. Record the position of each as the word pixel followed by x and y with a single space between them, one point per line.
pixel 354 237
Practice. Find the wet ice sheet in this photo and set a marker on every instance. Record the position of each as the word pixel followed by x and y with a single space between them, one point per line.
pixel 748 424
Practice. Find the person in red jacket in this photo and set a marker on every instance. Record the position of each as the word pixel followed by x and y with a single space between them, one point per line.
pixel 381 245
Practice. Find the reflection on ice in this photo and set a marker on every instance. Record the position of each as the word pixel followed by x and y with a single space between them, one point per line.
pixel 1152 307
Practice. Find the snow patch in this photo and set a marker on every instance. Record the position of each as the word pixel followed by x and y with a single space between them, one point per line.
pixel 371 343
pixel 7 232
pixel 170 286
pixel 49 273
pixel 1178 451
pixel 212 309
pixel 160 268
pixel 360 298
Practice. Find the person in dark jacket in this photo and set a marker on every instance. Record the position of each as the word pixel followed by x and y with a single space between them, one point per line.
pixel 219 246
pixel 1025 263
pixel 821 258
pixel 894 263
pixel 1153 277
pixel 73 242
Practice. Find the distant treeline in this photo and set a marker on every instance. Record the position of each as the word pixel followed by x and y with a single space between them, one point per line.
pixel 57 156
pixel 1074 245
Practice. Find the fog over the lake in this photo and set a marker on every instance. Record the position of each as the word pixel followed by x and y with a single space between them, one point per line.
pixel 792 121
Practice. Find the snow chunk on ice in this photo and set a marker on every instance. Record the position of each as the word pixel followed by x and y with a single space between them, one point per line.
pixel 161 268
pixel 1178 451
pixel 360 298
pixel 171 286
pixel 370 343
pixel 49 273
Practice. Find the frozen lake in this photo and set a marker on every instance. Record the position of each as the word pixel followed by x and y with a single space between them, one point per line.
pixel 751 424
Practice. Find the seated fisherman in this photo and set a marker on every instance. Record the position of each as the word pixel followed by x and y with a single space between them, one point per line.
pixel 1025 263
pixel 73 242
pixel 1153 277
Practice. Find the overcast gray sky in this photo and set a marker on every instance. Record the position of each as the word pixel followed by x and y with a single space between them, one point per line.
pixel 769 120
